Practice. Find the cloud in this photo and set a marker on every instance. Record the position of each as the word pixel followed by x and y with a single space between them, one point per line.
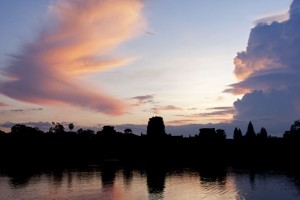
pixel 275 110
pixel 182 122
pixel 221 108
pixel 78 39
pixel 36 109
pixel 23 110
pixel 270 18
pixel 141 100
pixel 266 80
pixel 17 110
pixel 268 73
pixel 258 104
pixel 157 110
pixel 3 104
pixel 217 112
pixel 272 55
pixel 214 114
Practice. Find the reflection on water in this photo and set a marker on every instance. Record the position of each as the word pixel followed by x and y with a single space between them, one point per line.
pixel 156 183
pixel 114 183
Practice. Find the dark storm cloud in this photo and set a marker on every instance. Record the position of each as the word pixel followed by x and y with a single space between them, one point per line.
pixel 269 72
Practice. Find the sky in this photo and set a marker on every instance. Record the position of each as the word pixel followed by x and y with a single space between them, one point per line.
pixel 120 62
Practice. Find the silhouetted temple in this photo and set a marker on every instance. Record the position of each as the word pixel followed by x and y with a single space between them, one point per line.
pixel 156 127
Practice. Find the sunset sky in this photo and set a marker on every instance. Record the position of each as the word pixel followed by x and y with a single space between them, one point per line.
pixel 116 62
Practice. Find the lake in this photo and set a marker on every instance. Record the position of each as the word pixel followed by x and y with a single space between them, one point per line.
pixel 153 183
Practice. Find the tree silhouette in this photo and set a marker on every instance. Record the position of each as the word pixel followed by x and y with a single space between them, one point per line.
pixel 23 130
pixel 250 131
pixel 57 128
pixel 25 144
pixel 128 131
pixel 85 133
pixel 211 134
pixel 156 127
pixel 221 134
pixel 18 129
pixel 71 126
pixel 207 133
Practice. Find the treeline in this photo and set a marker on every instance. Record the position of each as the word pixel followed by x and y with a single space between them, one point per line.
pixel 26 145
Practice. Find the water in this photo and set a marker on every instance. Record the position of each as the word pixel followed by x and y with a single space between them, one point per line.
pixel 114 183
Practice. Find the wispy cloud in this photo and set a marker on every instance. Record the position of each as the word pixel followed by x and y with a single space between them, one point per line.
pixel 36 109
pixel 223 108
pixel 78 39
pixel 158 109
pixel 214 112
pixel 23 110
pixel 219 113
pixel 181 122
pixel 3 104
pixel 141 100
pixel 17 110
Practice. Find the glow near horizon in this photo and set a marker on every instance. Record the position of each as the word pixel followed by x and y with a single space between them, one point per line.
pixel 184 59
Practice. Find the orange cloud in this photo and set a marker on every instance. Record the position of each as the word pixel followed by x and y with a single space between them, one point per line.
pixel 237 90
pixel 78 38
pixel 87 31
pixel 182 122
pixel 157 110
pixel 215 114
pixel 245 66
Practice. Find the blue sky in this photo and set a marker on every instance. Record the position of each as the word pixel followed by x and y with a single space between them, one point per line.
pixel 181 59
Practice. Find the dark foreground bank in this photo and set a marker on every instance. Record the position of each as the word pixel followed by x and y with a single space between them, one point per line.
pixel 68 149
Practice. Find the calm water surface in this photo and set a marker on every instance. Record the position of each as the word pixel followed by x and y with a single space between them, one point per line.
pixel 113 183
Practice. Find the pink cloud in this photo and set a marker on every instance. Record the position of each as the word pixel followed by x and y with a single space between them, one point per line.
pixel 3 104
pixel 181 122
pixel 78 38
pixel 214 113
pixel 157 110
